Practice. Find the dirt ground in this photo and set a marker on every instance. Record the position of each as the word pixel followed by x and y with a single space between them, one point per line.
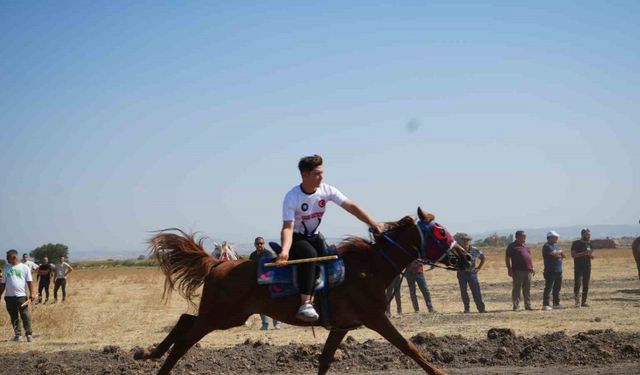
pixel 502 352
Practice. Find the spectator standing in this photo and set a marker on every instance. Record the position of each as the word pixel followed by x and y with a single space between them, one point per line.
pixel 415 274
pixel 520 268
pixel 552 255
pixel 582 254
pixel 61 270
pixel 259 253
pixel 470 277
pixel 16 280
pixel 44 279
pixel 32 266
pixel 394 291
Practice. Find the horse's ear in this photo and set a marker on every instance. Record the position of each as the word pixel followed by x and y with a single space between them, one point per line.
pixel 426 217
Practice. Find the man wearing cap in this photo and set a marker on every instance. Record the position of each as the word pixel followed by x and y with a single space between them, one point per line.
pixel 520 268
pixel 582 254
pixel 552 255
pixel 470 277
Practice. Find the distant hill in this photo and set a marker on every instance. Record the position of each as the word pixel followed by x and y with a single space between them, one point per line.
pixel 570 232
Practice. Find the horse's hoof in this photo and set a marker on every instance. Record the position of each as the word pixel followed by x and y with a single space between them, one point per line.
pixel 139 354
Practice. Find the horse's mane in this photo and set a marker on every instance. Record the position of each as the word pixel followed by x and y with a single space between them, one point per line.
pixel 359 244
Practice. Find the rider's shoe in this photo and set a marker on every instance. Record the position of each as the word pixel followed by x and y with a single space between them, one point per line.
pixel 307 313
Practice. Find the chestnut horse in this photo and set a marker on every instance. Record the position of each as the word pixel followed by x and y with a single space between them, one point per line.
pixel 231 293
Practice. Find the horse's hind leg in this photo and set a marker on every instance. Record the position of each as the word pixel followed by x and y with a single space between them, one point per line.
pixel 330 346
pixel 383 326
pixel 185 322
pixel 200 328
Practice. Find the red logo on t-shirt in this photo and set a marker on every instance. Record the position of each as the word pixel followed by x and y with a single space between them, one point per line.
pixel 322 203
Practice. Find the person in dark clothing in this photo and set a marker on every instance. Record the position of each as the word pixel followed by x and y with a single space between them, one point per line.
pixel 552 255
pixel 582 254
pixel 394 291
pixel 259 253
pixel 470 277
pixel 44 279
pixel 415 275
pixel 520 268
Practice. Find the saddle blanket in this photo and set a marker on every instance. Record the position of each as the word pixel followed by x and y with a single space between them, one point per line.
pixel 282 281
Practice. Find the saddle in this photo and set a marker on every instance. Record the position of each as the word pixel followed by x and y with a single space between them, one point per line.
pixel 282 281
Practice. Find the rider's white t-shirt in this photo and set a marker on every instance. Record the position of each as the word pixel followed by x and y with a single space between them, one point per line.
pixel 306 210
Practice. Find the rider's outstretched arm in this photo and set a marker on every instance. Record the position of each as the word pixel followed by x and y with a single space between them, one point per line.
pixel 355 210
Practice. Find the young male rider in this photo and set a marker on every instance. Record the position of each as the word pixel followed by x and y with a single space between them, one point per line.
pixel 302 211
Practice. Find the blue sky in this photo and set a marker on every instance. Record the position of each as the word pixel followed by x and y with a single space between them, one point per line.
pixel 117 118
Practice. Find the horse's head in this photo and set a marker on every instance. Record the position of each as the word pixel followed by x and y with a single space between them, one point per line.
pixel 438 245
pixel 429 241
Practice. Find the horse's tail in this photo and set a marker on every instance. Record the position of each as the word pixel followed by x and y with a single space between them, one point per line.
pixel 183 261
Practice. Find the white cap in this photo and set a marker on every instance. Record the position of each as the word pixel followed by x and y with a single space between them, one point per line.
pixel 553 233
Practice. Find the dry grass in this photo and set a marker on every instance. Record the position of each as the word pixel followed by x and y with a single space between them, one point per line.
pixel 122 306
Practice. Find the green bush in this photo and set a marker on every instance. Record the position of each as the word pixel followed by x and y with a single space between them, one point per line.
pixel 51 251
pixel 118 263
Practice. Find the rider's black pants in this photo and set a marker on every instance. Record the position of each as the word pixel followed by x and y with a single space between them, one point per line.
pixel 306 247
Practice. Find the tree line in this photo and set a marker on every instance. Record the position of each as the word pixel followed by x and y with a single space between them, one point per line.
pixel 51 251
pixel 492 240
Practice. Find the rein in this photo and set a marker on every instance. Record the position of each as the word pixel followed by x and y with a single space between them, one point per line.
pixel 422 229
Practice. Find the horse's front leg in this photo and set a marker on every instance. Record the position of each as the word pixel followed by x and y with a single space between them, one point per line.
pixel 383 326
pixel 185 322
pixel 330 346
pixel 200 328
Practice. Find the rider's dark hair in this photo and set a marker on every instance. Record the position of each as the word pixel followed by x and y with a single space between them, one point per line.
pixel 308 163
pixel 519 233
pixel 12 251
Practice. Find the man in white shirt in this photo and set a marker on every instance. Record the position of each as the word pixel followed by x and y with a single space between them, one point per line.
pixel 32 266
pixel 303 208
pixel 16 281
pixel 61 271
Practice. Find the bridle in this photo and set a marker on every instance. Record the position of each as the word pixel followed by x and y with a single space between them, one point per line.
pixel 426 230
